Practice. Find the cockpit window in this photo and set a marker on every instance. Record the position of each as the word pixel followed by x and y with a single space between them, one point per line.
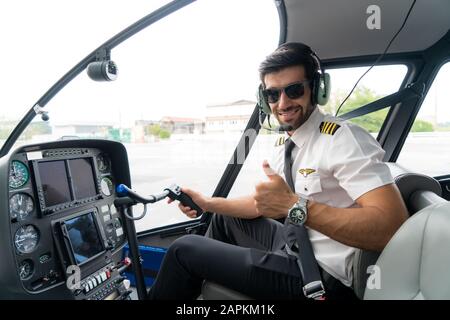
pixel 44 54
pixel 184 93
pixel 426 147
pixel 378 83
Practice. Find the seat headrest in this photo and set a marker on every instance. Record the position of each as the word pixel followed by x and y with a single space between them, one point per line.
pixel 408 183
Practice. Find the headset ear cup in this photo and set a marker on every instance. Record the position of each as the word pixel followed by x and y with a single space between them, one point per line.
pixel 314 87
pixel 262 102
pixel 323 89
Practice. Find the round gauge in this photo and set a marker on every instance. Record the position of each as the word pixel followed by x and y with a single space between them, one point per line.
pixel 20 206
pixel 103 162
pixel 26 238
pixel 26 268
pixel 18 174
pixel 107 186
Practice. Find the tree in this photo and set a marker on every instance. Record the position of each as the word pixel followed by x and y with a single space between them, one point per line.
pixel 153 129
pixel 157 131
pixel 422 126
pixel 36 128
pixel 372 122
pixel 6 128
pixel 164 134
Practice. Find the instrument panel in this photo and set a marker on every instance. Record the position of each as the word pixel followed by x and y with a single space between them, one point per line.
pixel 57 183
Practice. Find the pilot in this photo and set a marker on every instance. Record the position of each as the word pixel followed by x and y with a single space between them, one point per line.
pixel 344 190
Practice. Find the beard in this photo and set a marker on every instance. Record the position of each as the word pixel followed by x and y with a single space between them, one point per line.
pixel 294 116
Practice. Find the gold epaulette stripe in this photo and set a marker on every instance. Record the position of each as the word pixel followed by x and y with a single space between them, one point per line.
pixel 280 141
pixel 328 127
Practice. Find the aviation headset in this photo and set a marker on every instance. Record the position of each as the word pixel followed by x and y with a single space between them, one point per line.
pixel 320 83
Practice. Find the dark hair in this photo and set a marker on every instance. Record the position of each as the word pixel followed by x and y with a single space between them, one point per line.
pixel 288 55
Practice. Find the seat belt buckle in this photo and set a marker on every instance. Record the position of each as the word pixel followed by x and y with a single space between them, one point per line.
pixel 314 290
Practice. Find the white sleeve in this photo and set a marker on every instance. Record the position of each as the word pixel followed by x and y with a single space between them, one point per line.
pixel 356 160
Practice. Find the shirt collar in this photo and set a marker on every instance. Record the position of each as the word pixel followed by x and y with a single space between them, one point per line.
pixel 305 131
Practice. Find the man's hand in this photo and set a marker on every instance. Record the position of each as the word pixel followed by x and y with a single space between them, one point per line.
pixel 198 198
pixel 273 198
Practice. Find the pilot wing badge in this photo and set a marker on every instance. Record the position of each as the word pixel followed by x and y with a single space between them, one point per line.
pixel 327 127
pixel 306 172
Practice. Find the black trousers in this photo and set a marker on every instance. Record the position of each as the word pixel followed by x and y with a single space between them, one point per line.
pixel 245 255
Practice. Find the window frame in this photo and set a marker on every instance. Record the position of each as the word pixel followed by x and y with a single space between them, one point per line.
pixel 432 78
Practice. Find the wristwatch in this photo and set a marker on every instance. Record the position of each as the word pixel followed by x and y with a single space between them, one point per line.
pixel 299 212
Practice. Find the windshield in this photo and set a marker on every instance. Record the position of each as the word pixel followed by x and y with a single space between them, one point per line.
pixel 185 91
pixel 43 46
pixel 183 54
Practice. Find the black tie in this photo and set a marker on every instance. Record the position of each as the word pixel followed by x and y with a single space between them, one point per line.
pixel 288 146
pixel 290 235
pixel 297 238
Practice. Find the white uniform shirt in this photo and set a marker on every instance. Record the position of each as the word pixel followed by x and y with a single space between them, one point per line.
pixel 335 162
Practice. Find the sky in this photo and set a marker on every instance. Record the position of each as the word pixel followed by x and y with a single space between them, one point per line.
pixel 43 39
pixel 207 53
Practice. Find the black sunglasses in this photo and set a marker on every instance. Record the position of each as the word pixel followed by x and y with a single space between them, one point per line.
pixel 293 91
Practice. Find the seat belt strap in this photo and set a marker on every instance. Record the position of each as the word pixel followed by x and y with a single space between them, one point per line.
pixel 298 243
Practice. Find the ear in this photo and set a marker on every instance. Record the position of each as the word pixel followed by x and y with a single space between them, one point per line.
pixel 262 102
pixel 323 90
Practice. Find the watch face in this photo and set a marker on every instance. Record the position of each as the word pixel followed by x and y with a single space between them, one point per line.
pixel 297 216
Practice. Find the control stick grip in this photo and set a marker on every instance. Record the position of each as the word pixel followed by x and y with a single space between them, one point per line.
pixel 175 193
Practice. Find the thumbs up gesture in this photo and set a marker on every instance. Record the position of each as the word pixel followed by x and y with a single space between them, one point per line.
pixel 273 198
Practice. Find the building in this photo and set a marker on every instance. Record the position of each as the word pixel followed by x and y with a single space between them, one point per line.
pixel 178 125
pixel 82 130
pixel 230 117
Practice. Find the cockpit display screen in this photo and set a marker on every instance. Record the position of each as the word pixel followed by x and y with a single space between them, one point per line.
pixel 54 182
pixel 84 237
pixel 65 181
pixel 82 178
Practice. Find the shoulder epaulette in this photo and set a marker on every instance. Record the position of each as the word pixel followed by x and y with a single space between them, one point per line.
pixel 280 141
pixel 328 127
